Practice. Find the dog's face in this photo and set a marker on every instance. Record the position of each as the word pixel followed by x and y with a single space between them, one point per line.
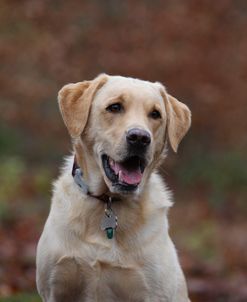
pixel 127 129
pixel 124 122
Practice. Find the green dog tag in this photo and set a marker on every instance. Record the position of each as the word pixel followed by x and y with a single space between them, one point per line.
pixel 109 233
pixel 109 221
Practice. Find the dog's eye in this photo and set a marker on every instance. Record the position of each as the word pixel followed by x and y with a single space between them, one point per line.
pixel 115 108
pixel 155 114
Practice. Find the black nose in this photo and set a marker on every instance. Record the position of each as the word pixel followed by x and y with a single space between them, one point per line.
pixel 138 137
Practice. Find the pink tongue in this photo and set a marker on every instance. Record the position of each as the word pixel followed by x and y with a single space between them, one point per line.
pixel 129 177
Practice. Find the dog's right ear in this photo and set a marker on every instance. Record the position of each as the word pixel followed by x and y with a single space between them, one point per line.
pixel 75 103
pixel 178 117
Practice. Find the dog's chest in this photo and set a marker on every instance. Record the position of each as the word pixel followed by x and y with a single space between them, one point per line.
pixel 122 283
pixel 119 275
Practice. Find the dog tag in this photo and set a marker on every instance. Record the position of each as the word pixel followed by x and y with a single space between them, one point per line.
pixel 109 221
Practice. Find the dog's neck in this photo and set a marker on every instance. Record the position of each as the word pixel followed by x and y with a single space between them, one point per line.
pixel 91 171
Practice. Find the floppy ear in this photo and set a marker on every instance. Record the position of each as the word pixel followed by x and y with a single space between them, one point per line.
pixel 75 102
pixel 178 120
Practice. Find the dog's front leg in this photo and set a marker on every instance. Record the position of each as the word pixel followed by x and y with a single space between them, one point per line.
pixel 67 282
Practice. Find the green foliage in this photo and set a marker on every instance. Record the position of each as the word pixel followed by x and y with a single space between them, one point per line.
pixel 11 170
pixel 22 298
pixel 9 140
pixel 220 173
pixel 23 188
pixel 42 180
pixel 202 241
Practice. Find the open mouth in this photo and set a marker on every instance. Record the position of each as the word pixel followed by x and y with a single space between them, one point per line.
pixel 125 175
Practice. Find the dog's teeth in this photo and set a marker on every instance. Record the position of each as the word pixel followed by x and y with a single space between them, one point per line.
pixel 111 162
pixel 120 175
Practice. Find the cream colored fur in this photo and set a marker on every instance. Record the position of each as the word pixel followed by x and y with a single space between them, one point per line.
pixel 75 260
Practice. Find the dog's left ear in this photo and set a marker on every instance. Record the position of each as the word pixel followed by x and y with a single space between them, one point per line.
pixel 178 121
pixel 178 118
pixel 75 102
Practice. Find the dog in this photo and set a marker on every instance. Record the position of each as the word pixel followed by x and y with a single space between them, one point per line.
pixel 106 237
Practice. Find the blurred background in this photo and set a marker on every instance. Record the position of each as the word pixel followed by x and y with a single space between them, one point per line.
pixel 198 49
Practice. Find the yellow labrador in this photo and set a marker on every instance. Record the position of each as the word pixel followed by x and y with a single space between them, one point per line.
pixel 106 238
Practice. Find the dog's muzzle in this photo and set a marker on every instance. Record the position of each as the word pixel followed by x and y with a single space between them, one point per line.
pixel 126 174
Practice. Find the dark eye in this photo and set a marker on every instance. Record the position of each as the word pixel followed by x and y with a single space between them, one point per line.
pixel 115 108
pixel 155 114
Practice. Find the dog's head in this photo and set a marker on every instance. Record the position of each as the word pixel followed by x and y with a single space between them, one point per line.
pixel 125 123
